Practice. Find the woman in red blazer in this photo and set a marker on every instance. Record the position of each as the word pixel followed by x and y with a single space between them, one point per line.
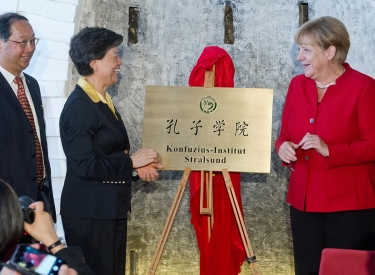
pixel 327 139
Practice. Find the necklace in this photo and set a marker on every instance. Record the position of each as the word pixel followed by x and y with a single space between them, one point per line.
pixel 325 87
pixel 332 83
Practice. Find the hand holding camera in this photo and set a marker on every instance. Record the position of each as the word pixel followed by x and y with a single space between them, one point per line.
pixel 42 228
pixel 28 214
pixel 23 212
pixel 28 259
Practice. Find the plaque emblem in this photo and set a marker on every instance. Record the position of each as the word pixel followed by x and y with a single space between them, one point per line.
pixel 208 104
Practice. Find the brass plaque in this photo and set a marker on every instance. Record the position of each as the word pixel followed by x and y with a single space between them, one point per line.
pixel 209 128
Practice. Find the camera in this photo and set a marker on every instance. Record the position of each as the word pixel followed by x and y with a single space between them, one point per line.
pixel 28 214
pixel 29 261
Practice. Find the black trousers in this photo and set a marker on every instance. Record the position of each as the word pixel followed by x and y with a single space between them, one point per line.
pixel 312 232
pixel 103 243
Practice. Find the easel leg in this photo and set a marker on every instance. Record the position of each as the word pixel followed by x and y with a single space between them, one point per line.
pixel 169 222
pixel 208 206
pixel 211 199
pixel 251 259
pixel 206 184
pixel 208 187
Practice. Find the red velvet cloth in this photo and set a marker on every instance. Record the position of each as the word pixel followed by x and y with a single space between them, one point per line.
pixel 223 253
pixel 224 72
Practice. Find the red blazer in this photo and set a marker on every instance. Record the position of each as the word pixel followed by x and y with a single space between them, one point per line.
pixel 345 120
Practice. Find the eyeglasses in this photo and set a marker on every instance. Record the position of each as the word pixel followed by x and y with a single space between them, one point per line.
pixel 24 44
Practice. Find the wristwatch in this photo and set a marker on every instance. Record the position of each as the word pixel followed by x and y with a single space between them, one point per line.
pixel 134 173
pixel 57 243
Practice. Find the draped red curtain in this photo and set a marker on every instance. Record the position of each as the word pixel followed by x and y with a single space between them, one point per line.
pixel 223 252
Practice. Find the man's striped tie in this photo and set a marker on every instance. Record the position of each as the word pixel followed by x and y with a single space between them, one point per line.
pixel 26 107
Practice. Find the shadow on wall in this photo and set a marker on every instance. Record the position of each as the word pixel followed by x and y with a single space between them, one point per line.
pixel 38 64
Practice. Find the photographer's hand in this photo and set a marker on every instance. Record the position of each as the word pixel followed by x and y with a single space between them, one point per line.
pixel 65 270
pixel 42 228
pixel 8 271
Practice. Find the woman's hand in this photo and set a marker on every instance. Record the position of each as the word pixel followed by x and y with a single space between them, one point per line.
pixel 42 228
pixel 148 172
pixel 144 156
pixel 287 151
pixel 310 141
pixel 8 271
pixel 65 270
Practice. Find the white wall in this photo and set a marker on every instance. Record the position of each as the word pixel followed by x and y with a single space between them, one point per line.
pixel 54 23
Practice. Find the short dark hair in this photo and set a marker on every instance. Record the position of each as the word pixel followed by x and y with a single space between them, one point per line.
pixel 6 21
pixel 91 43
pixel 11 217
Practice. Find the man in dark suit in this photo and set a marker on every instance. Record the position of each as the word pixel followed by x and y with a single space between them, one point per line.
pixel 24 160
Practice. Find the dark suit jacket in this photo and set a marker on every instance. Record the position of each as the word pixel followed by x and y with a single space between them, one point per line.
pixel 17 150
pixel 99 173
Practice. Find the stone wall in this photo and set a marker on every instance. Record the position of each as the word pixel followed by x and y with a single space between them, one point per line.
pixel 172 34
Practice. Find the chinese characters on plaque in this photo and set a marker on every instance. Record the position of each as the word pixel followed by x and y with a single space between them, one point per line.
pixel 219 126
pixel 209 128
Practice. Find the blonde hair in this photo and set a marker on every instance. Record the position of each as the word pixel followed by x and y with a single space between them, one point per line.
pixel 325 32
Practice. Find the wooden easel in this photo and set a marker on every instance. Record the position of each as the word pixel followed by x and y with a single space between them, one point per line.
pixel 250 257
